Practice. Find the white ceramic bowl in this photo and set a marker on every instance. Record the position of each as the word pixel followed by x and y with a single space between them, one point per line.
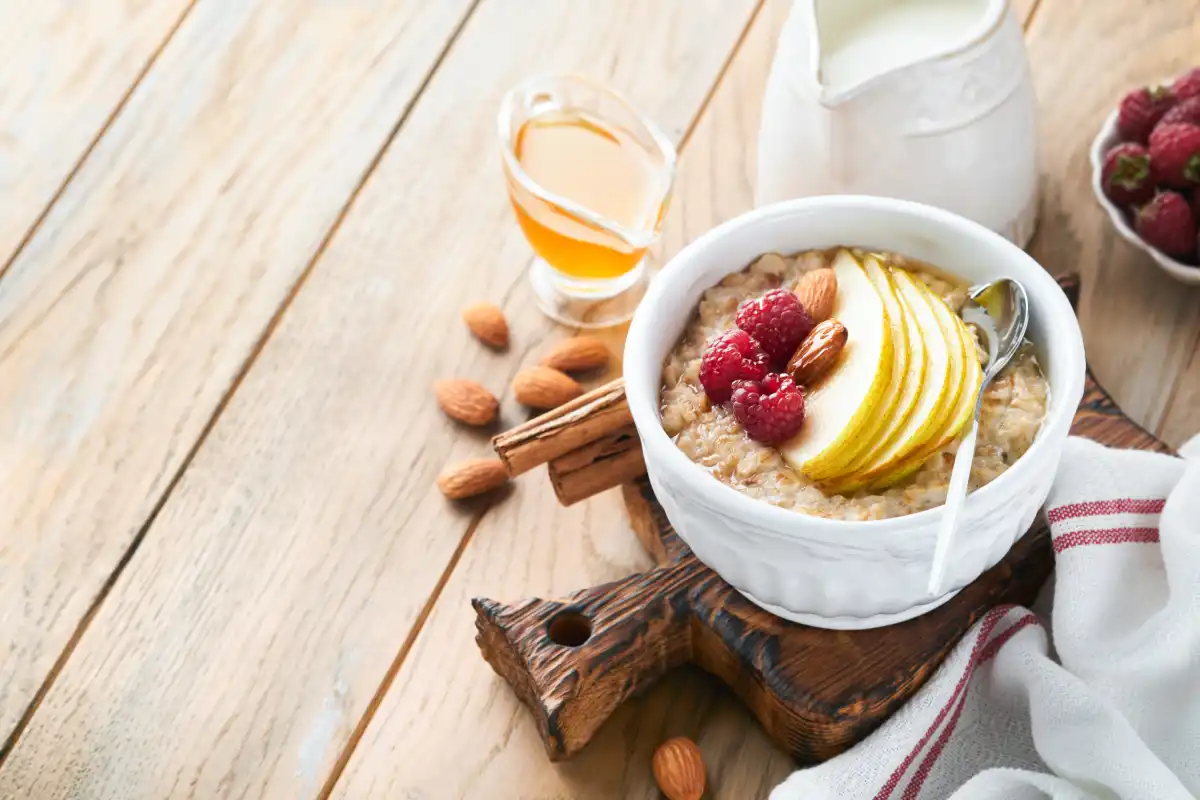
pixel 830 573
pixel 1104 141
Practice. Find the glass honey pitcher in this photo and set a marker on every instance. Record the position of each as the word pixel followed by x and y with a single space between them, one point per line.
pixel 589 178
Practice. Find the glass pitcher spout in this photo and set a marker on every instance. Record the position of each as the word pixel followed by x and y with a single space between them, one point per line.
pixel 859 44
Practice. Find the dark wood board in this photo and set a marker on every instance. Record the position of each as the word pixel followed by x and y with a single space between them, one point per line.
pixel 815 691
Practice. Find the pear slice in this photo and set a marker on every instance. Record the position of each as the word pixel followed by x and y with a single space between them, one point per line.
pixel 949 323
pixel 908 368
pixel 922 421
pixel 839 407
pixel 962 415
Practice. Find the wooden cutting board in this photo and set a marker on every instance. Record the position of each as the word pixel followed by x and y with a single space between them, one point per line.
pixel 815 691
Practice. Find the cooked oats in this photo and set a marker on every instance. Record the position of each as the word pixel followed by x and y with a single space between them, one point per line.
pixel 1014 406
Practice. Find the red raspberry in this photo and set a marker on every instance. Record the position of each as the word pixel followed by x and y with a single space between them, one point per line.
pixel 771 410
pixel 778 321
pixel 1188 84
pixel 1167 223
pixel 1187 111
pixel 732 356
pixel 1175 152
pixel 1127 178
pixel 1141 110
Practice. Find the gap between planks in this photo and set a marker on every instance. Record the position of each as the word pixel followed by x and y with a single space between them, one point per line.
pixel 25 239
pixel 13 739
pixel 427 608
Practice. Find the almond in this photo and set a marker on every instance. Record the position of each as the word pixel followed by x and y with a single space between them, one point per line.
pixel 817 290
pixel 471 477
pixel 466 401
pixel 488 324
pixel 544 387
pixel 818 352
pixel 577 354
pixel 679 769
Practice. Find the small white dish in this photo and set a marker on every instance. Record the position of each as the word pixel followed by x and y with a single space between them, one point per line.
pixel 833 573
pixel 1106 140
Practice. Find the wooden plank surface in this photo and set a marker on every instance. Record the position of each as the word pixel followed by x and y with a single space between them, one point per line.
pixel 1182 420
pixel 67 67
pixel 531 546
pixel 128 317
pixel 1140 326
pixel 249 634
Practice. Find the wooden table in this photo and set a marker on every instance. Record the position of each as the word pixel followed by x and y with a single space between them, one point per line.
pixel 235 238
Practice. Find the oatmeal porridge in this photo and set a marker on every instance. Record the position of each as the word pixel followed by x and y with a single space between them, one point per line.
pixel 710 433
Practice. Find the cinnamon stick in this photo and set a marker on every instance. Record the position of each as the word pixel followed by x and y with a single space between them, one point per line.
pixel 564 429
pixel 610 461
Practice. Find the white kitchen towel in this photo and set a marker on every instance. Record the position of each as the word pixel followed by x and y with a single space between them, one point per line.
pixel 1108 706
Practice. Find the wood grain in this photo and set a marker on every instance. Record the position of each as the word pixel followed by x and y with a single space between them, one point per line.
pixel 128 317
pixel 1182 420
pixel 529 545
pixel 249 634
pixel 1140 327
pixel 67 67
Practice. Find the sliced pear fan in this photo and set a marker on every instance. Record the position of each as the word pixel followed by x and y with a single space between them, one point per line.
pixel 841 406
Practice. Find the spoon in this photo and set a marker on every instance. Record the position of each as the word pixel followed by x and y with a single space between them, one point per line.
pixel 1000 311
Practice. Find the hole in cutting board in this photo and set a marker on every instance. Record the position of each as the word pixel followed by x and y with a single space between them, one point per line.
pixel 570 629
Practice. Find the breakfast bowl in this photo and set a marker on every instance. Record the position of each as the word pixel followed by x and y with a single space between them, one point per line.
pixel 833 572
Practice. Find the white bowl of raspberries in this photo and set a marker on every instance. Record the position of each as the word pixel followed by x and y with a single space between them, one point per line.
pixel 1146 173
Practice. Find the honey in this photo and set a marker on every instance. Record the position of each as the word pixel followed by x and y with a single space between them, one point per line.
pixel 602 169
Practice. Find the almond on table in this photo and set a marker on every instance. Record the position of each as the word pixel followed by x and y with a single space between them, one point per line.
pixel 679 769
pixel 472 477
pixel 467 401
pixel 577 354
pixel 487 322
pixel 543 388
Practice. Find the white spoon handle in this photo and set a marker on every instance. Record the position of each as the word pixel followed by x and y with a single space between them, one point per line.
pixel 956 495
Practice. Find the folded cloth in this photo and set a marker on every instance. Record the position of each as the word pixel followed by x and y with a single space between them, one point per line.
pixel 1111 709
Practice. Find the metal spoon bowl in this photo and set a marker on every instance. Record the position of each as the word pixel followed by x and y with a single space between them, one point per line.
pixel 1000 312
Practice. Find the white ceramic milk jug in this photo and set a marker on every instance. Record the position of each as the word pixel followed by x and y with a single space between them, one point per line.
pixel 927 100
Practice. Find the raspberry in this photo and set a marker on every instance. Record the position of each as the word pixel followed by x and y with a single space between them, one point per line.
pixel 1127 178
pixel 1167 223
pixel 1175 152
pixel 778 321
pixel 1141 110
pixel 770 410
pixel 732 356
pixel 1187 111
pixel 1188 84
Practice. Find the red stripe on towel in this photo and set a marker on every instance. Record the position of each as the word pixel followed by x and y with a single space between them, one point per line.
pixel 1125 505
pixel 1104 536
pixel 986 655
pixel 989 624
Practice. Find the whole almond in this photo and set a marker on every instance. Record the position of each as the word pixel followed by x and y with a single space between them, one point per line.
pixel 816 291
pixel 818 352
pixel 488 324
pixel 679 769
pixel 471 477
pixel 466 401
pixel 577 354
pixel 544 387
